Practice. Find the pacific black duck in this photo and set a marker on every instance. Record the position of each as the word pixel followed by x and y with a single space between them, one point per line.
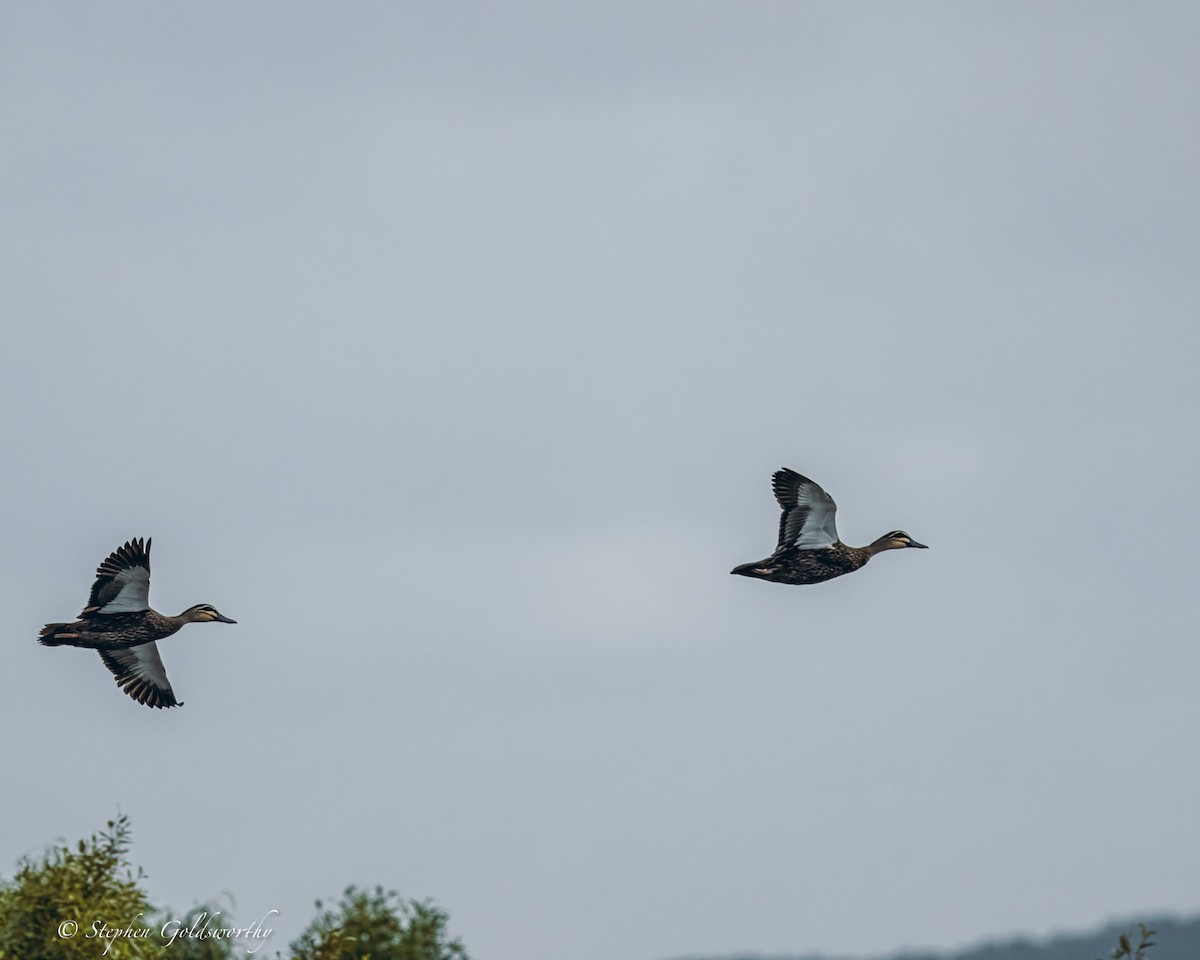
pixel 809 550
pixel 119 623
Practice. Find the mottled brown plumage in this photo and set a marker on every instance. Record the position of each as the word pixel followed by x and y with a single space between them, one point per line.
pixel 809 550
pixel 119 624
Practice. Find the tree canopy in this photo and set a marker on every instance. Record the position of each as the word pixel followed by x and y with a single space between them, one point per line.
pixel 377 925
pixel 86 902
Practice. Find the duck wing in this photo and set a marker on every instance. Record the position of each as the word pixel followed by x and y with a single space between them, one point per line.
pixel 809 513
pixel 122 581
pixel 140 673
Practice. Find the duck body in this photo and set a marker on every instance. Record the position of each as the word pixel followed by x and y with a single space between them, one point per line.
pixel 793 565
pixel 119 624
pixel 116 631
pixel 809 549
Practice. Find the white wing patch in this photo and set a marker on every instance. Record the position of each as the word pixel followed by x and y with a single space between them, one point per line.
pixel 809 513
pixel 820 526
pixel 122 581
pixel 133 592
pixel 140 673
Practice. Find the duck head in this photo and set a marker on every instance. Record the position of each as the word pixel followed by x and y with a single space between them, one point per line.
pixel 203 613
pixel 896 540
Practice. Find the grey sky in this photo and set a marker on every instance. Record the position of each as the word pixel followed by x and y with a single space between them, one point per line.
pixel 450 351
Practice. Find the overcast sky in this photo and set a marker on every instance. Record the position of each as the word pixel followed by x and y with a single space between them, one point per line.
pixel 450 351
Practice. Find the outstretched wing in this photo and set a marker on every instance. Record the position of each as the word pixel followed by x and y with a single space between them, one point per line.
pixel 122 581
pixel 140 673
pixel 809 513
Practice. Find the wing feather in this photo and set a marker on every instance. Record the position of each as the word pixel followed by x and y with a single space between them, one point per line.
pixel 140 673
pixel 809 513
pixel 122 581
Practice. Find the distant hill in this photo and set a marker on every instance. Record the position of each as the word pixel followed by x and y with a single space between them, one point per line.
pixel 1176 940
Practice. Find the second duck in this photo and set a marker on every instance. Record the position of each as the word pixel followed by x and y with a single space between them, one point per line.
pixel 119 624
pixel 809 550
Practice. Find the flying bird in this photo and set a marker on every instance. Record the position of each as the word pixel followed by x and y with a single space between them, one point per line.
pixel 809 550
pixel 119 624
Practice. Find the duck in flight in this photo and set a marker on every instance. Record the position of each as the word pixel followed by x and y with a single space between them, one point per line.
pixel 119 623
pixel 809 550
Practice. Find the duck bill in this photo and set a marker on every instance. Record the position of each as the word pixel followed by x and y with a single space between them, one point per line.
pixel 919 546
pixel 221 619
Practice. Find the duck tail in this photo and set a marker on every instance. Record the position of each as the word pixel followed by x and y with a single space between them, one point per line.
pixel 59 634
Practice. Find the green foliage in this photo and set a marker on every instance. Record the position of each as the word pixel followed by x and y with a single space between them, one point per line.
pixel 1125 947
pixel 48 908
pixel 74 904
pixel 86 903
pixel 377 925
